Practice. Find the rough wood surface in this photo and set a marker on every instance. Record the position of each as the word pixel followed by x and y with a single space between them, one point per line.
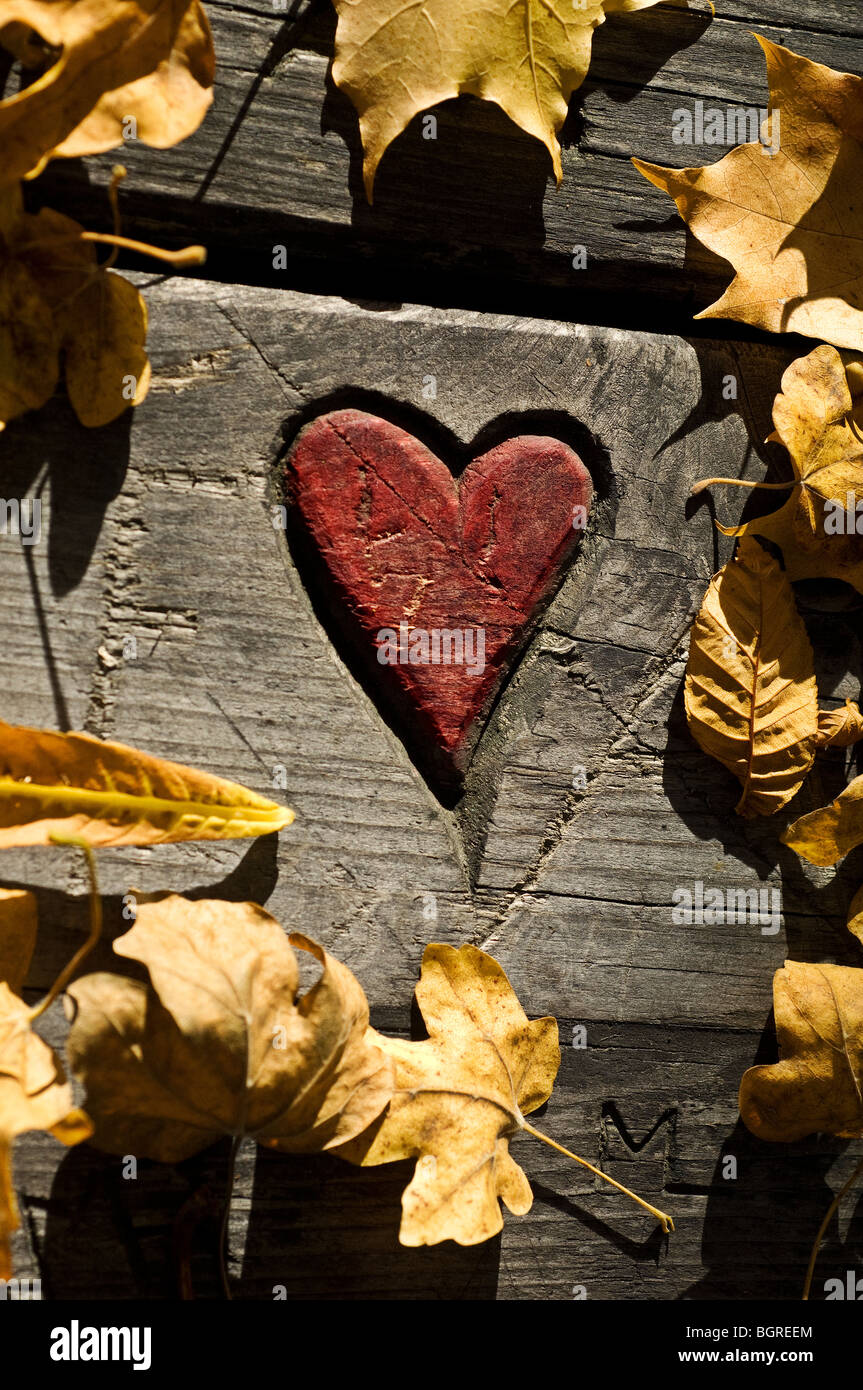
pixel 586 806
pixel 278 163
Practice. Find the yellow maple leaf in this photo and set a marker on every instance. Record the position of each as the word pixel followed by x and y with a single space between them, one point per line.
pixel 786 210
pixel 394 60
pixel 460 1097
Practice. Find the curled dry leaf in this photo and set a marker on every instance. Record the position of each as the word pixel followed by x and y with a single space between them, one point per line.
pixel 107 61
pixel 825 836
pixel 460 1097
pixel 840 728
pixel 57 301
pixel 790 222
pixel 751 697
pixel 54 783
pixel 819 418
pixel 33 1089
pixel 219 1043
pixel 817 1086
pixel 395 60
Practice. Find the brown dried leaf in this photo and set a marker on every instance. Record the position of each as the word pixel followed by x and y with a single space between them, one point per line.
pixel 817 1086
pixel 791 222
pixel 33 1089
pixel 151 60
pixel 840 728
pixel 819 418
pixel 825 836
pixel 751 698
pixel 56 300
pixel 219 1041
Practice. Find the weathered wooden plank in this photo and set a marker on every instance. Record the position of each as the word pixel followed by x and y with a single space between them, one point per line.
pixel 278 163
pixel 568 881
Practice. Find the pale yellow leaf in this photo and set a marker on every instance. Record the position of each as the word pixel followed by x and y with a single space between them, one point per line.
pixel 52 783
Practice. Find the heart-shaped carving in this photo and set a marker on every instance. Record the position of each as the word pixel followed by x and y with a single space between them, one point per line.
pixel 438 580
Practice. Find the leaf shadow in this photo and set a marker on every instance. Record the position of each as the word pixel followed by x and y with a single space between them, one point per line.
pixel 321 1229
pixel 83 469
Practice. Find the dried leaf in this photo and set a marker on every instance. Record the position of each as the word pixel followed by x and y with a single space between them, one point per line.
pixel 33 1089
pixel 218 1042
pixel 840 728
pixel 55 299
pixel 169 101
pixel 395 60
pixel 29 348
pixel 855 915
pixel 113 795
pixel 751 697
pixel 107 368
pixel 151 60
pixel 460 1096
pixel 817 1086
pixel 825 836
pixel 790 223
pixel 819 418
pixel 18 927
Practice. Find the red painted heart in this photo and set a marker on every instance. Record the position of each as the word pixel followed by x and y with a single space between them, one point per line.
pixel 439 580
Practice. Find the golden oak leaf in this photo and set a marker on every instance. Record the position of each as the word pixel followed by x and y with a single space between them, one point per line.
pixel 219 1041
pixel 826 835
pixel 817 1086
pixel 751 697
pixel 819 418
pixel 394 60
pixel 790 222
pixel 66 784
pixel 33 1089
pixel 109 61
pixel 460 1097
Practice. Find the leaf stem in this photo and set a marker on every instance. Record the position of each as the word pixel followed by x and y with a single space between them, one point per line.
pixel 665 1221
pixel 76 842
pixel 188 255
pixel 828 1217
pixel 739 482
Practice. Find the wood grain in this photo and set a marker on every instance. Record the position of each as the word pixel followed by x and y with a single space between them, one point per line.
pixel 586 805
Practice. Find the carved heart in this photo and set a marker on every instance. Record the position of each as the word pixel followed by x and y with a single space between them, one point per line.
pixel 438 580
